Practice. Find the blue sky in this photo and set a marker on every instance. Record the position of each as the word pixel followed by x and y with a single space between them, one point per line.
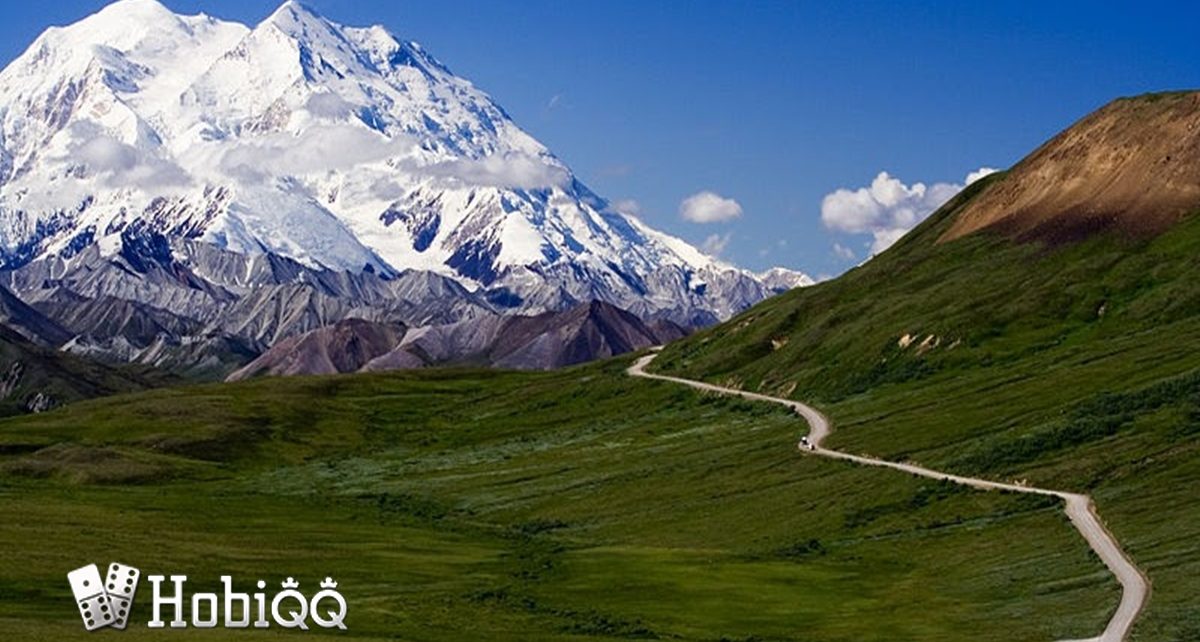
pixel 774 105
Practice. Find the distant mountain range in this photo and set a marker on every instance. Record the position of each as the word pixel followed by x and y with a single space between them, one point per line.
pixel 184 190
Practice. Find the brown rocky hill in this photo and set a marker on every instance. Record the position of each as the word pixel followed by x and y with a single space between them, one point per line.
pixel 588 331
pixel 345 346
pixel 1132 166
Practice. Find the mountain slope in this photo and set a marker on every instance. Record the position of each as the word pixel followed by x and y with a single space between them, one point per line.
pixel 945 295
pixel 35 379
pixel 589 331
pixel 346 346
pixel 108 316
pixel 342 149
pixel 29 322
pixel 553 340
pixel 1016 355
pixel 1104 172
pixel 586 332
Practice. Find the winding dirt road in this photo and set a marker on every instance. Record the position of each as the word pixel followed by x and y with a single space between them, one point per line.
pixel 1135 588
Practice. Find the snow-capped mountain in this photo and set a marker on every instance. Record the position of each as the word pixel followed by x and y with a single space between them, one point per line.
pixel 337 149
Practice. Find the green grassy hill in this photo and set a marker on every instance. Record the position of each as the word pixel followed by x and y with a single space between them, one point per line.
pixel 33 376
pixel 575 505
pixel 1072 365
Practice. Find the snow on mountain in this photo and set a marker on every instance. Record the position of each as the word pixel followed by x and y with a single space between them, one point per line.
pixel 782 279
pixel 340 148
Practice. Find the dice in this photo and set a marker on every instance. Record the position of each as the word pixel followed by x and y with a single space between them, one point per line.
pixel 94 606
pixel 121 585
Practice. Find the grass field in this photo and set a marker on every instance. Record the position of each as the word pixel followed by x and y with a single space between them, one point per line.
pixel 1135 451
pixel 574 505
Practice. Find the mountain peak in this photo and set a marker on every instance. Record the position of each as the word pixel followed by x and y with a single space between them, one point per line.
pixel 297 6
pixel 293 17
pixel 781 279
pixel 135 14
pixel 122 21
pixel 138 5
pixel 337 147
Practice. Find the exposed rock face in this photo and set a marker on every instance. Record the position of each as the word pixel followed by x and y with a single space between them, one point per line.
pixel 217 313
pixel 10 384
pixel 40 402
pixel 591 331
pixel 346 346
pixel 553 340
pixel 109 316
pixel 11 379
pixel 1132 166
pixel 29 322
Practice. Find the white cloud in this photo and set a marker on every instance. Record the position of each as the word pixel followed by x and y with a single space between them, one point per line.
pixel 511 171
pixel 104 154
pixel 57 195
pixel 709 207
pixel 715 244
pixel 554 102
pixel 100 159
pixel 843 252
pixel 320 149
pixel 328 105
pixel 119 165
pixel 887 209
pixel 386 189
pixel 519 171
pixel 627 206
pixel 982 172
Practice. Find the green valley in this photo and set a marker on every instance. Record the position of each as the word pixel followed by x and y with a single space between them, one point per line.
pixel 580 504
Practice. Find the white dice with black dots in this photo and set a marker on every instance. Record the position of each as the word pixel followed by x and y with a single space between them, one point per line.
pixel 121 585
pixel 94 606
